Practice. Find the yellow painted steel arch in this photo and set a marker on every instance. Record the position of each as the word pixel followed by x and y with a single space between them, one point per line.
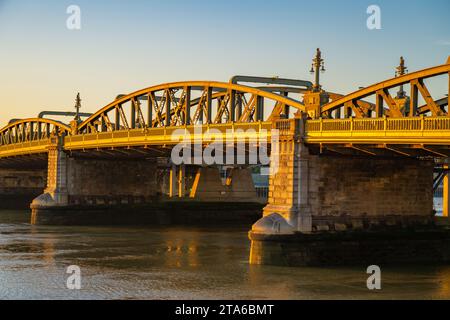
pixel 65 128
pixel 29 136
pixel 194 103
pixel 388 84
pixel 206 84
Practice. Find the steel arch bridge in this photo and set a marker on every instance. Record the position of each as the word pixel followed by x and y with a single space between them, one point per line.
pixel 149 117
pixel 29 136
pixel 353 102
pixel 187 103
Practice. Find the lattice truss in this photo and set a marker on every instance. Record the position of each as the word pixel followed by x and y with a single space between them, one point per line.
pixel 188 104
pixel 407 95
pixel 28 130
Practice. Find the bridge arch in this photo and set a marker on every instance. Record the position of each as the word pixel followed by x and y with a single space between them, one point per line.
pixel 31 129
pixel 415 80
pixel 186 103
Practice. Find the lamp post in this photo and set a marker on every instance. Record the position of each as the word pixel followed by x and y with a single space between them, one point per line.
pixel 316 97
pixel 400 71
pixel 77 120
pixel 77 108
pixel 317 67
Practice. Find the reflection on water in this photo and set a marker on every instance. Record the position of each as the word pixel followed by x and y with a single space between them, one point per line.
pixel 178 263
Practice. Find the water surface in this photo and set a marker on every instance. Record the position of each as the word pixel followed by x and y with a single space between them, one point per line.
pixel 178 263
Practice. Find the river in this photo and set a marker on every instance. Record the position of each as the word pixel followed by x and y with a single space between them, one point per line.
pixel 178 263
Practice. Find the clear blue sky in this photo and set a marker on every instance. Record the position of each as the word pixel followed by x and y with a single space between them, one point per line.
pixel 127 45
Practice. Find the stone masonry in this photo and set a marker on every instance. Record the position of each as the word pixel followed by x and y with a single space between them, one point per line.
pixel 78 181
pixel 315 193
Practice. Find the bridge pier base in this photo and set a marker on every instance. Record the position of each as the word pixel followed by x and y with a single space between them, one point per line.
pixel 289 182
pixel 55 194
pixel 317 200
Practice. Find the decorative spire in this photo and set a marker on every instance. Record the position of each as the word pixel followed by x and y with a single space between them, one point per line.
pixel 317 67
pixel 400 71
pixel 77 107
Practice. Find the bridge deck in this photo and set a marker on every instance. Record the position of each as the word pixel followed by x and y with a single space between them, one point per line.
pixel 250 132
pixel 380 131
pixel 420 130
pixel 24 148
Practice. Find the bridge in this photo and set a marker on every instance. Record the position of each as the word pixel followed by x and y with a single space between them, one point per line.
pixel 149 116
pixel 338 162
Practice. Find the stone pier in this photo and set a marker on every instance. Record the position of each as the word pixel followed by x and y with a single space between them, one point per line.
pixel 316 202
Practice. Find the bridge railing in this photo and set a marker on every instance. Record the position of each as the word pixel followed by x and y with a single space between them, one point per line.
pixel 379 124
pixel 168 135
pixel 285 126
pixel 28 147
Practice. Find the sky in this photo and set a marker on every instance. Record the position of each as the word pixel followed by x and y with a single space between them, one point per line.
pixel 124 46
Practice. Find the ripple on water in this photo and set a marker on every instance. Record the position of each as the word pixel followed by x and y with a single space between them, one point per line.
pixel 178 263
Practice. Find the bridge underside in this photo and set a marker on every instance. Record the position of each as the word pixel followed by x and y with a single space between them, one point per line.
pixel 31 161
pixel 120 174
pixel 381 150
pixel 134 184
pixel 21 180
